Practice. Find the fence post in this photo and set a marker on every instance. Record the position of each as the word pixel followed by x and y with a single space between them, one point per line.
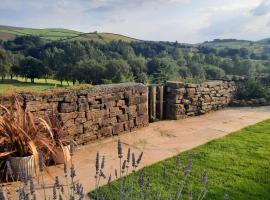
pixel 161 94
pixel 152 102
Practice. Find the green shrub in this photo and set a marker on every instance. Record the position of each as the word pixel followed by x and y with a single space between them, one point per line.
pixel 252 89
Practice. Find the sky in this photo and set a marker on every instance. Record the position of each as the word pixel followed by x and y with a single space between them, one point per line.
pixel 187 21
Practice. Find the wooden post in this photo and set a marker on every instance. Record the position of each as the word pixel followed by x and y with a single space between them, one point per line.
pixel 154 102
pixel 161 102
pixel 153 99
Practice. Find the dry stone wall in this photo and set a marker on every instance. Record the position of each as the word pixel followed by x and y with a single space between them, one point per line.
pixel 182 100
pixel 108 110
pixel 93 113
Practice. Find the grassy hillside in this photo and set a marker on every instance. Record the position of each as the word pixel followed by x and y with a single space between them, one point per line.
pixel 257 47
pixel 9 33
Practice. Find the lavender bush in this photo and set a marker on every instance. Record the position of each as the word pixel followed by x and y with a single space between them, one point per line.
pixel 138 185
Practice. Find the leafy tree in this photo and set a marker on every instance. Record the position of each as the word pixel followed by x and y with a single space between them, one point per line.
pixel 31 68
pixel 228 66
pixel 212 59
pixel 184 72
pixel 213 72
pixel 89 71
pixel 117 61
pixel 53 57
pixel 163 69
pixel 118 70
pixel 139 68
pixel 242 67
pixel 63 73
pixel 5 63
pixel 15 64
pixel 197 71
pixel 244 53
pixel 177 54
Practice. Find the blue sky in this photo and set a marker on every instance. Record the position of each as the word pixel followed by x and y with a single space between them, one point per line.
pixel 188 21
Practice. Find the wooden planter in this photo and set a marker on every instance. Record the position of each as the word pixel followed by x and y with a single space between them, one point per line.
pixel 23 167
pixel 61 156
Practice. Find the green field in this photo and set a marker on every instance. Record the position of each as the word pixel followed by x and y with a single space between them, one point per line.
pixel 19 84
pixel 9 33
pixel 237 165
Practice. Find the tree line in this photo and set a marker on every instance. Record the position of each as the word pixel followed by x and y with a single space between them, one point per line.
pixel 117 61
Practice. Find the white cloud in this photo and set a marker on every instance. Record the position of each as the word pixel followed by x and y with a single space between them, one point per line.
pixel 182 20
pixel 262 9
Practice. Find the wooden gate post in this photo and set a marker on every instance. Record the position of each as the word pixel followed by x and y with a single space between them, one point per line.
pixel 152 103
pixel 161 94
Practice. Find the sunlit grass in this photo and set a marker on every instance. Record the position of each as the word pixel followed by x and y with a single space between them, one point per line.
pixel 18 84
pixel 237 165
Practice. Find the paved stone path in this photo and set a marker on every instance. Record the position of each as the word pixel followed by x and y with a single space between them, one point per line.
pixel 162 140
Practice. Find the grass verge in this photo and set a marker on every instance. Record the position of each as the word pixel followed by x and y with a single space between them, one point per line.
pixel 237 165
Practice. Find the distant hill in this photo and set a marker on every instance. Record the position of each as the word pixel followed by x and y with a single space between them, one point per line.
pixel 265 41
pixel 261 47
pixel 230 43
pixel 9 33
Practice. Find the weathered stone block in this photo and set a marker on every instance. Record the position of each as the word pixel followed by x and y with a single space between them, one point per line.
pixel 114 111
pixel 142 109
pixel 83 107
pixel 106 131
pixel 80 120
pixel 110 104
pixel 175 85
pixel 136 100
pixel 68 107
pixel 191 91
pixel 118 128
pixel 69 123
pixel 76 129
pixel 120 103
pixel 70 98
pixel 33 106
pixel 67 116
pixel 122 118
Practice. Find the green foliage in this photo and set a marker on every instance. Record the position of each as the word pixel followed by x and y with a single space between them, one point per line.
pixel 90 71
pixel 213 72
pixel 31 68
pixel 94 62
pixel 245 49
pixel 118 70
pixel 5 62
pixel 163 69
pixel 139 68
pixel 197 71
pixel 252 89
pixel 184 72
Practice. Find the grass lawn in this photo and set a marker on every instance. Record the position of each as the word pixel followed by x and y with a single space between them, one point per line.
pixel 17 84
pixel 237 165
